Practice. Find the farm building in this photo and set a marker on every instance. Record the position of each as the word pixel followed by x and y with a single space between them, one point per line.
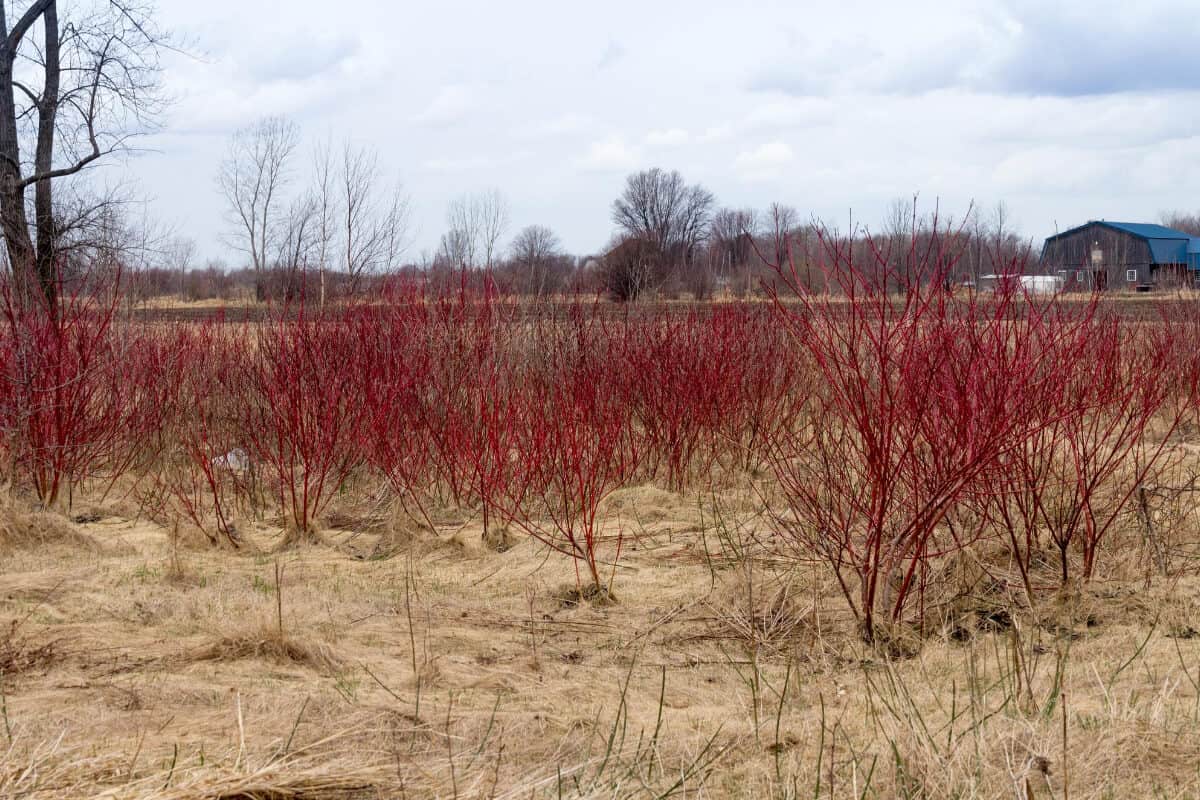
pixel 1123 255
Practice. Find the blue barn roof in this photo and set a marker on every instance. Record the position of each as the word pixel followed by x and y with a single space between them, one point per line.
pixel 1146 230
pixel 1167 245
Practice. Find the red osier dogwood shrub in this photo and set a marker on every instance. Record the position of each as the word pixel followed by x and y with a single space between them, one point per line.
pixel 199 473
pixel 573 447
pixel 295 393
pixel 76 401
pixel 923 394
pixel 1074 475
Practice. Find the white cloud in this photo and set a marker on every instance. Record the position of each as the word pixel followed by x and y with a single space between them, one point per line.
pixel 451 104
pixel 282 59
pixel 671 137
pixel 474 163
pixel 609 154
pixel 717 133
pixel 1004 47
pixel 764 158
pixel 464 164
pixel 789 112
pixel 564 124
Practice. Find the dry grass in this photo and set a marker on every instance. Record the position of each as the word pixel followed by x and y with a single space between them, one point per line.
pixel 406 662
pixel 20 653
pixel 21 527
pixel 267 644
pixel 55 770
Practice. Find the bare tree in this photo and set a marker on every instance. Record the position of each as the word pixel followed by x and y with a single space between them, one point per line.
pixel 179 254
pixel 662 208
pixel 476 223
pixel 1000 231
pixel 903 228
pixel 325 198
pixel 901 213
pixel 462 241
pixel 297 244
pixel 626 271
pixel 781 222
pixel 537 260
pixel 730 235
pixel 1182 221
pixel 493 222
pixel 252 178
pixel 120 239
pixel 375 221
pixel 455 250
pixel 975 247
pixel 88 81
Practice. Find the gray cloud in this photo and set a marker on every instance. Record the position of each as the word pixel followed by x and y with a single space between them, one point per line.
pixel 303 56
pixel 1075 52
pixel 1055 49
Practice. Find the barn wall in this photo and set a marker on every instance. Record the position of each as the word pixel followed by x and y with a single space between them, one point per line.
pixel 1122 251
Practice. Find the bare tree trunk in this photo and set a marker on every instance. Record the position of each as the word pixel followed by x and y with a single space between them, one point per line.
pixel 43 199
pixel 13 219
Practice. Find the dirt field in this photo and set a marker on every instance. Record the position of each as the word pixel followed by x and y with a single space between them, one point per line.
pixel 136 666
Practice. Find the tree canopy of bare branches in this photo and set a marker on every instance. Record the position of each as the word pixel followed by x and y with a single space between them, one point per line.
pixel 1182 221
pixel 628 269
pixel 374 217
pixel 781 224
pixel 537 261
pixel 662 208
pixel 348 220
pixel 74 88
pixel 253 177
pixel 475 225
pixel 730 238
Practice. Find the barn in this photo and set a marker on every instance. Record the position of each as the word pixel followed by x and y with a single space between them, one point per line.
pixel 1136 256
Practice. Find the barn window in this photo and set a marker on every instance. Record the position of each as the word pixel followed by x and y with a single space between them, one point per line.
pixel 1131 275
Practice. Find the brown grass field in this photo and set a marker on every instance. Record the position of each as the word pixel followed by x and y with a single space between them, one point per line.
pixel 397 662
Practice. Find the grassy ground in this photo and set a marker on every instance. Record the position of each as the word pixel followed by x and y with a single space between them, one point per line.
pixel 137 666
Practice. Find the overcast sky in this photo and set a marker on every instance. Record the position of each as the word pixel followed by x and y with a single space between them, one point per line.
pixel 1066 111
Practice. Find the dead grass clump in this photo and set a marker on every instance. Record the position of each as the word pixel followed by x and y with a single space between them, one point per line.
pixel 20 529
pixel 1076 609
pixel 295 538
pixel 897 641
pixel 571 595
pixel 52 770
pixel 270 644
pixel 177 572
pixel 87 517
pixel 348 520
pixel 281 780
pixel 1157 757
pixel 499 539
pixel 402 531
pixel 646 504
pixel 973 619
pixel 20 653
pixel 768 615
pixel 990 606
